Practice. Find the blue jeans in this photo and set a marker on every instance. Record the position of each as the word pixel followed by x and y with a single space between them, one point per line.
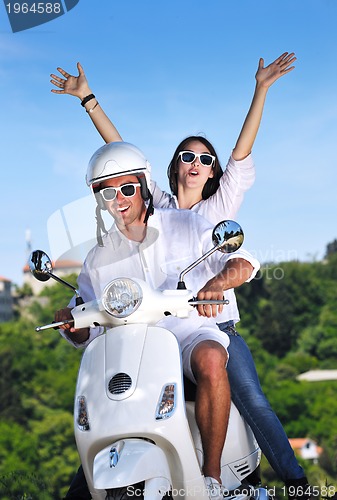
pixel 247 394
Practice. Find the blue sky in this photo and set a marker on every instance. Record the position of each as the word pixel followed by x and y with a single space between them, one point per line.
pixel 162 71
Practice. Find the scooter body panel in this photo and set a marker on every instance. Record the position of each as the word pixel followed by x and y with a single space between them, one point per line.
pixel 150 356
pixel 129 462
pixel 241 453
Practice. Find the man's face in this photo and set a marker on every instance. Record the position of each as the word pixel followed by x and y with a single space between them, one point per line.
pixel 126 210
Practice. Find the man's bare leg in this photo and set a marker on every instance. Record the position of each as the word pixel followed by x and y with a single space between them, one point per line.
pixel 208 362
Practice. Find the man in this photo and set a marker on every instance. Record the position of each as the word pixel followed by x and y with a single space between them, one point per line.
pixel 156 247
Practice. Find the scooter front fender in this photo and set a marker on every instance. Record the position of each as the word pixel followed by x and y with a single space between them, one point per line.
pixel 130 461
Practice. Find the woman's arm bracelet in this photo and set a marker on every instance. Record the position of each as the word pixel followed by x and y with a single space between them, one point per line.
pixel 87 99
pixel 92 109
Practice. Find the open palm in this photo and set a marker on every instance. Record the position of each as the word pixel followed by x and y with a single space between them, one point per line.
pixel 281 66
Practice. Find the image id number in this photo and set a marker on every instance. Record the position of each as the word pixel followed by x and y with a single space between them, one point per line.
pixel 297 491
pixel 35 8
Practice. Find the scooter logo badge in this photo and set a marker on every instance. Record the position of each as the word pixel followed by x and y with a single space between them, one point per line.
pixel 114 457
pixel 115 453
pixel 23 15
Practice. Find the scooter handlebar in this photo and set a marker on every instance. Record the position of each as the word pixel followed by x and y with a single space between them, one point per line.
pixel 84 316
pixel 54 325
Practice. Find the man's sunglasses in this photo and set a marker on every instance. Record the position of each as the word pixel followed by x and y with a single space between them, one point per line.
pixel 127 190
pixel 205 159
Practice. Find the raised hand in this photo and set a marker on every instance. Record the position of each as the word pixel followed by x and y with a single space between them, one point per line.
pixel 265 77
pixel 78 86
pixel 73 85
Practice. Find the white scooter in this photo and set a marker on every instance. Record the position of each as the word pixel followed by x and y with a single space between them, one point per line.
pixel 136 435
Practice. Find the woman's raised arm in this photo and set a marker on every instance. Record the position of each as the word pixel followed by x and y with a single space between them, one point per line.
pixel 265 77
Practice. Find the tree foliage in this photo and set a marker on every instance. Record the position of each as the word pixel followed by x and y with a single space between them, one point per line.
pixel 289 320
pixel 38 456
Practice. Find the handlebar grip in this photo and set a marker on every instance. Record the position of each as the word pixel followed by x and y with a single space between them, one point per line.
pixel 195 302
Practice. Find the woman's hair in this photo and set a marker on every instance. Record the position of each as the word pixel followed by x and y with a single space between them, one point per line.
pixel 212 183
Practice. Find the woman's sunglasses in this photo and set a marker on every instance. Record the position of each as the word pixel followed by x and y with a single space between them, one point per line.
pixel 205 159
pixel 127 190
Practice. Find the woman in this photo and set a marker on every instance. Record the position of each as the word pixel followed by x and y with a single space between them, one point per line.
pixel 198 182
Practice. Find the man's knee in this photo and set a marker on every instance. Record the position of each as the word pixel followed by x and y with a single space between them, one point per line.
pixel 209 360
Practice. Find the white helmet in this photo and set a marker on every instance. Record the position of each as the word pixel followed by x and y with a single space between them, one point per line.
pixel 116 159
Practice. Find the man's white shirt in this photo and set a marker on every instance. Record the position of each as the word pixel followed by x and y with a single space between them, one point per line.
pixel 174 239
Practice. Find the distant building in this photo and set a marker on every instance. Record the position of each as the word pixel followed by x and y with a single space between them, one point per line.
pixel 6 300
pixel 306 448
pixel 60 267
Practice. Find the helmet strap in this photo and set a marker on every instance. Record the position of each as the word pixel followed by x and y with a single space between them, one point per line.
pixel 100 227
pixel 150 208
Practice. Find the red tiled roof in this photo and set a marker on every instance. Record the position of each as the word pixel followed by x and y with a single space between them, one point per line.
pixel 298 443
pixel 60 264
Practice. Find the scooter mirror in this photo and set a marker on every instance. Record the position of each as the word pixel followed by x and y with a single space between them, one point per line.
pixel 227 236
pixel 40 265
pixel 41 268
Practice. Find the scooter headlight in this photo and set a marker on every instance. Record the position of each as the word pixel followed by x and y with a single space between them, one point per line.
pixel 121 297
